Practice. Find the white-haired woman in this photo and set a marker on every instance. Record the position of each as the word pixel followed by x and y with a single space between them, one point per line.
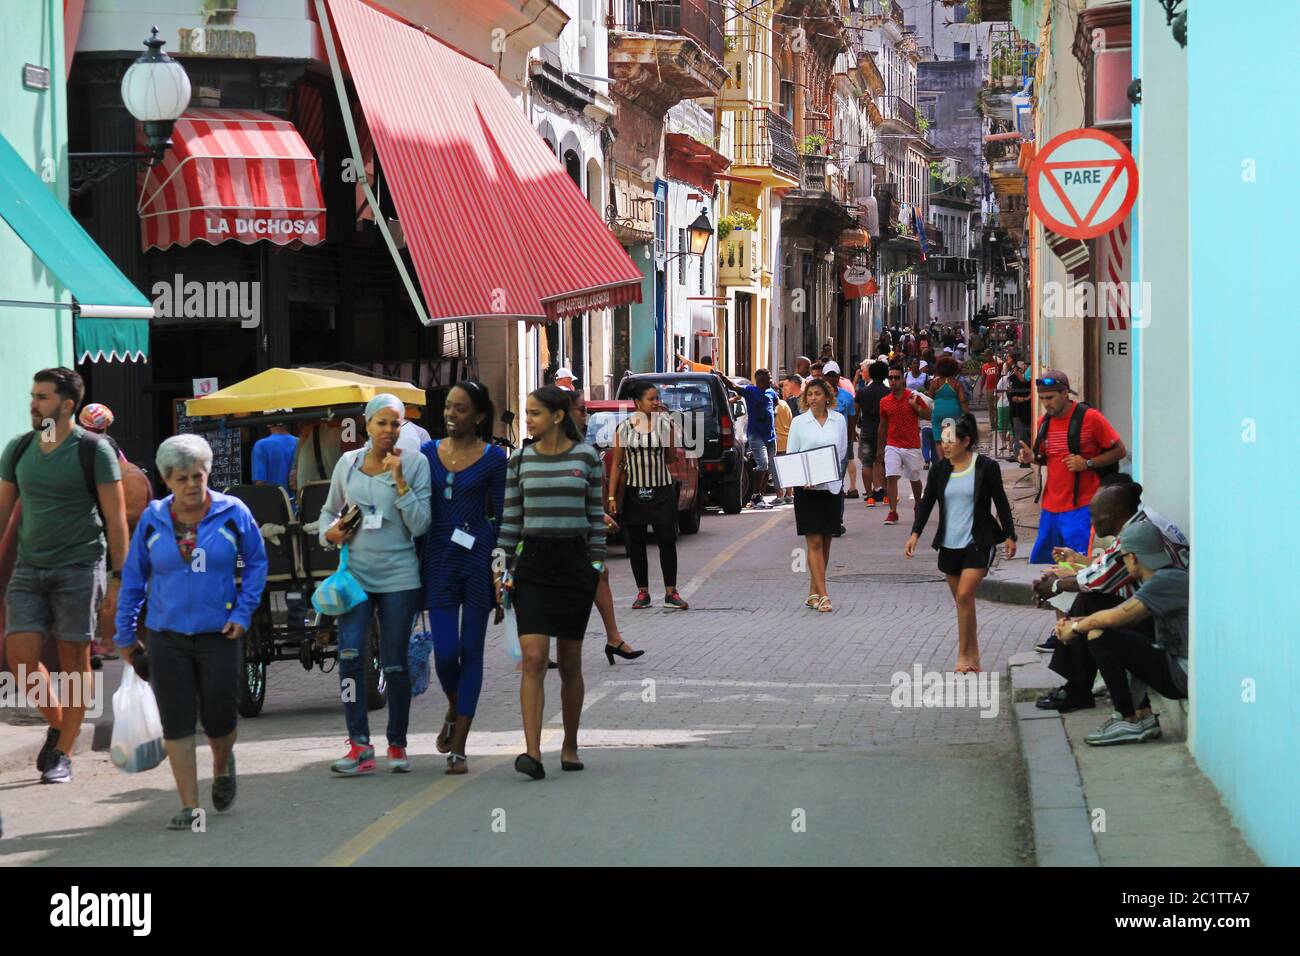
pixel 391 492
pixel 182 559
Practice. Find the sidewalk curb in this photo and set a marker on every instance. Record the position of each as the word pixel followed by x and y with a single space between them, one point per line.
pixel 1057 808
pixel 1005 592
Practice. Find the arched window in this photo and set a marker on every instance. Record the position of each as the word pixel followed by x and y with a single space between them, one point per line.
pixel 573 166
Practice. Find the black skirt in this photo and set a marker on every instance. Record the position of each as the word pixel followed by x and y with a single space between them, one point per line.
pixel 554 587
pixel 816 512
pixel 656 506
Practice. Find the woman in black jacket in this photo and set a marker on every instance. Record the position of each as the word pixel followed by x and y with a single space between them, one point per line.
pixel 965 485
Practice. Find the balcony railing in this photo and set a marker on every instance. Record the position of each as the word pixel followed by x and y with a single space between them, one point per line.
pixel 880 8
pixel 887 207
pixel 701 20
pixel 764 138
pixel 897 108
pixel 814 173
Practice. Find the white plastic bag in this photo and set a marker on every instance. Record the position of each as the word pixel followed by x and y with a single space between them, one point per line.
pixel 512 636
pixel 137 729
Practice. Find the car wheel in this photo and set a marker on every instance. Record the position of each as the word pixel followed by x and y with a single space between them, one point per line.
pixel 688 521
pixel 734 493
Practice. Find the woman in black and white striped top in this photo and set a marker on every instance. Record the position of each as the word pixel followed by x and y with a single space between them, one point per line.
pixel 644 447
pixel 554 530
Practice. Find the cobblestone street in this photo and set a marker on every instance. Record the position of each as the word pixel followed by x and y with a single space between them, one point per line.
pixel 744 711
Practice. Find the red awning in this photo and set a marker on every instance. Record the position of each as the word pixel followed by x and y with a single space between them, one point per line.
pixel 232 174
pixel 494 224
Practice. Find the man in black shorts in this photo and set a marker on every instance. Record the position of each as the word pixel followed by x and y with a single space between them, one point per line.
pixel 66 479
pixel 870 458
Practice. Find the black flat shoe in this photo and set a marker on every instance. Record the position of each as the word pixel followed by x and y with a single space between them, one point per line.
pixel 571 764
pixel 611 650
pixel 530 767
pixel 223 788
pixel 552 666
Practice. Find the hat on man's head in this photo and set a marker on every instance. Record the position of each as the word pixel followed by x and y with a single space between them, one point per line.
pixel 1054 379
pixel 564 372
pixel 1144 541
pixel 831 368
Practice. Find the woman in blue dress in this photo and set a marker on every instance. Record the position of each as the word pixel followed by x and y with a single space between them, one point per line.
pixel 468 480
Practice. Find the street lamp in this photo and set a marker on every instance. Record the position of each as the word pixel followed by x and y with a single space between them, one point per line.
pixel 156 91
pixel 700 233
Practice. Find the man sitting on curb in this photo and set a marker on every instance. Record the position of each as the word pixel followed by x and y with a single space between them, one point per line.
pixel 1103 584
pixel 1119 649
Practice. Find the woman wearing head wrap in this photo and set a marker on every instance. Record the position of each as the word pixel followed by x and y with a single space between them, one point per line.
pixel 97 418
pixel 391 492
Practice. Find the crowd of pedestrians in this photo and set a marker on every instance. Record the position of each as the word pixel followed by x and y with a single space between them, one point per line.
pixel 461 530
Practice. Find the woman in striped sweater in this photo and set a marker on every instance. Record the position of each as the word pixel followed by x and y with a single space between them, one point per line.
pixel 554 527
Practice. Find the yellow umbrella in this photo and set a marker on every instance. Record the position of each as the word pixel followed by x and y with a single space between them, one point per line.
pixel 299 388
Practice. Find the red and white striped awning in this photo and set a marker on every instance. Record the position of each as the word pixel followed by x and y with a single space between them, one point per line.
pixel 232 174
pixel 494 224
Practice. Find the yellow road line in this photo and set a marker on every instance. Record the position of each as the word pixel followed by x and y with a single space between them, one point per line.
pixel 727 553
pixel 404 813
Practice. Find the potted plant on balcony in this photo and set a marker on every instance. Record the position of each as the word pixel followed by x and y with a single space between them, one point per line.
pixel 813 144
pixel 734 220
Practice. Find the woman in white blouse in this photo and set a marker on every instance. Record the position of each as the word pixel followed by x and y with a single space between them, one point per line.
pixel 817 507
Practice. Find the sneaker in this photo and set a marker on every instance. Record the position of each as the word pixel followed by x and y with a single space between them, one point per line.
pixel 776 502
pixel 840 533
pixel 852 494
pixel 891 518
pixel 761 505
pixel 1150 725
pixel 871 501
pixel 47 749
pixel 397 762
pixel 1099 688
pixel 1048 645
pixel 59 769
pixel 1117 731
pixel 642 600
pixel 360 759
pixel 674 601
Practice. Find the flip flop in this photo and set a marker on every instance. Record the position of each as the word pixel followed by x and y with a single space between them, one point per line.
pixel 456 764
pixel 443 742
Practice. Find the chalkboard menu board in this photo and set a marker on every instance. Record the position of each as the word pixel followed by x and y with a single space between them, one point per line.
pixel 227 449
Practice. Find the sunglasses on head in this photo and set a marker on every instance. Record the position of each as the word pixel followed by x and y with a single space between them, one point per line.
pixel 1050 383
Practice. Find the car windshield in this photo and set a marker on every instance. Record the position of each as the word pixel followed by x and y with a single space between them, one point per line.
pixel 686 396
pixel 601 425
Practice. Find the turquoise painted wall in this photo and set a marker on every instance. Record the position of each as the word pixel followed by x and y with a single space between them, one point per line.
pixel 641 330
pixel 1244 152
pixel 35 124
pixel 1161 346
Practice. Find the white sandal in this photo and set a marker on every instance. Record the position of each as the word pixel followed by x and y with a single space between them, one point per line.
pixel 812 602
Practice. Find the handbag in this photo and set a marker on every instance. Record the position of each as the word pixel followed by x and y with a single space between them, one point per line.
pixel 340 592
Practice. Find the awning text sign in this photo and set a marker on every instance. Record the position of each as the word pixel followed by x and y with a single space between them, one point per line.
pixel 1083 183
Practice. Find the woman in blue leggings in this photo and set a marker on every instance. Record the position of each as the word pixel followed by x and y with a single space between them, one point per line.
pixel 467 476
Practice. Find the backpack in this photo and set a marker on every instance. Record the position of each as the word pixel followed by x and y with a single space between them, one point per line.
pixel 87 448
pixel 1073 443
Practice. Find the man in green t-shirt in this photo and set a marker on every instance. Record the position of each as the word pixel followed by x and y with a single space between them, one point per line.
pixel 59 579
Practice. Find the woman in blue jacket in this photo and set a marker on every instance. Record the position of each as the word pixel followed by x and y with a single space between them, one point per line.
pixel 183 559
pixel 467 477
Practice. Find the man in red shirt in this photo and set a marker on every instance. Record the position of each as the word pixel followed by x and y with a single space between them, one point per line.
pixel 989 375
pixel 1072 477
pixel 900 436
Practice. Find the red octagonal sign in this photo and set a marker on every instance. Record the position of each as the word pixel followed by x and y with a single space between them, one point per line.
pixel 1083 183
